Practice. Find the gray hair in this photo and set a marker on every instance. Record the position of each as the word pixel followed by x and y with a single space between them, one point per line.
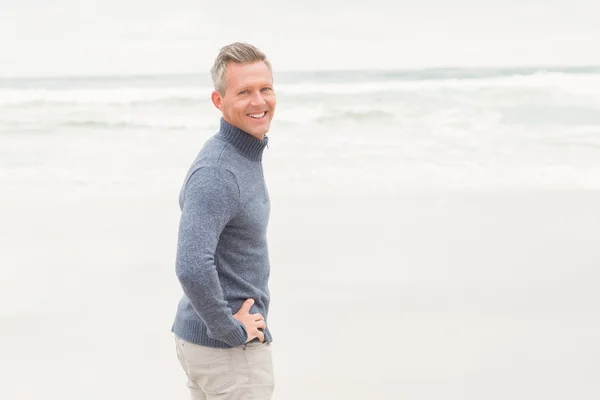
pixel 241 53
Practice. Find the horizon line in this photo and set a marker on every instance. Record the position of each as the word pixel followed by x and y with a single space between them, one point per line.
pixel 113 75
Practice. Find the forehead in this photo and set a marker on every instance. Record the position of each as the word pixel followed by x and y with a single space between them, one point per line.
pixel 248 74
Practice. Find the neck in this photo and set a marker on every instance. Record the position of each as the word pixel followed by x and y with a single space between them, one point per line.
pixel 246 144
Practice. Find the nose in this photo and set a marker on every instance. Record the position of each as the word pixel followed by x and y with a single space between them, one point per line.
pixel 257 99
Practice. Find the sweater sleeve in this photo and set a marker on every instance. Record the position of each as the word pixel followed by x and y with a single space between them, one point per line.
pixel 210 200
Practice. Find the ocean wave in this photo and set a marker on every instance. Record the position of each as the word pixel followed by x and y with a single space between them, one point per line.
pixel 323 114
pixel 121 96
pixel 356 116
pixel 165 124
pixel 298 115
pixel 579 84
pixel 294 77
pixel 49 102
pixel 103 124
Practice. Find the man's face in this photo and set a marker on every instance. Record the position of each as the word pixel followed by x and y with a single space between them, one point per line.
pixel 249 100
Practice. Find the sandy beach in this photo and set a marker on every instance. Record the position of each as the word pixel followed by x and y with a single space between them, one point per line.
pixel 417 295
pixel 434 234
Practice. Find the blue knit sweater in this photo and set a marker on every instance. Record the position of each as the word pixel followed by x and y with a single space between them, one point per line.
pixel 222 255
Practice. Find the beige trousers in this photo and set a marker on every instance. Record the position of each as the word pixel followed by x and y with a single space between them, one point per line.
pixel 240 373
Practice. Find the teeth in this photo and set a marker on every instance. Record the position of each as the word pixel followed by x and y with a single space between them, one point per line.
pixel 262 114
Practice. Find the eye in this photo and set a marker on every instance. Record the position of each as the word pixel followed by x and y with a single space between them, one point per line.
pixel 266 89
pixel 244 92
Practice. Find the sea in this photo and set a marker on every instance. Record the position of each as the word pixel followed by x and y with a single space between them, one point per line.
pixel 374 130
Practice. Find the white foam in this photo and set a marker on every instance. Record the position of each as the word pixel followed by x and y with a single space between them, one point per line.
pixel 580 84
pixel 100 96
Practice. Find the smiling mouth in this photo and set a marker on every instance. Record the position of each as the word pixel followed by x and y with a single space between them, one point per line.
pixel 258 116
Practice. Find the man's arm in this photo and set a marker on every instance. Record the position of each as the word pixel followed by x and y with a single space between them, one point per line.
pixel 211 199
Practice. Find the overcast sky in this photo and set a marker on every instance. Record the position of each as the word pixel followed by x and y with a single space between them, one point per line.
pixel 83 37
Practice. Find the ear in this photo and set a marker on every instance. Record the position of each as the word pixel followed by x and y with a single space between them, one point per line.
pixel 217 99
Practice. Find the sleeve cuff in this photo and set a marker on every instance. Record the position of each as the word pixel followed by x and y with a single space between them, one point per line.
pixel 237 337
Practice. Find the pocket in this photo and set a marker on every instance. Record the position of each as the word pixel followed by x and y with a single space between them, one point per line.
pixel 221 376
pixel 211 369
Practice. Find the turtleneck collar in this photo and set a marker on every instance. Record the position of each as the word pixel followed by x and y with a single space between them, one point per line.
pixel 248 145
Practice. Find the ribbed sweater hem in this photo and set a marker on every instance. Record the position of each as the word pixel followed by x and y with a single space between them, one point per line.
pixel 195 332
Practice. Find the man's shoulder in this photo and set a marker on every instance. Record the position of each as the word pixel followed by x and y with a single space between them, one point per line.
pixel 210 168
pixel 212 148
pixel 210 178
pixel 212 159
pixel 215 152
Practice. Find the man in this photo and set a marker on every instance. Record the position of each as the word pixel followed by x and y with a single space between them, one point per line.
pixel 222 256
